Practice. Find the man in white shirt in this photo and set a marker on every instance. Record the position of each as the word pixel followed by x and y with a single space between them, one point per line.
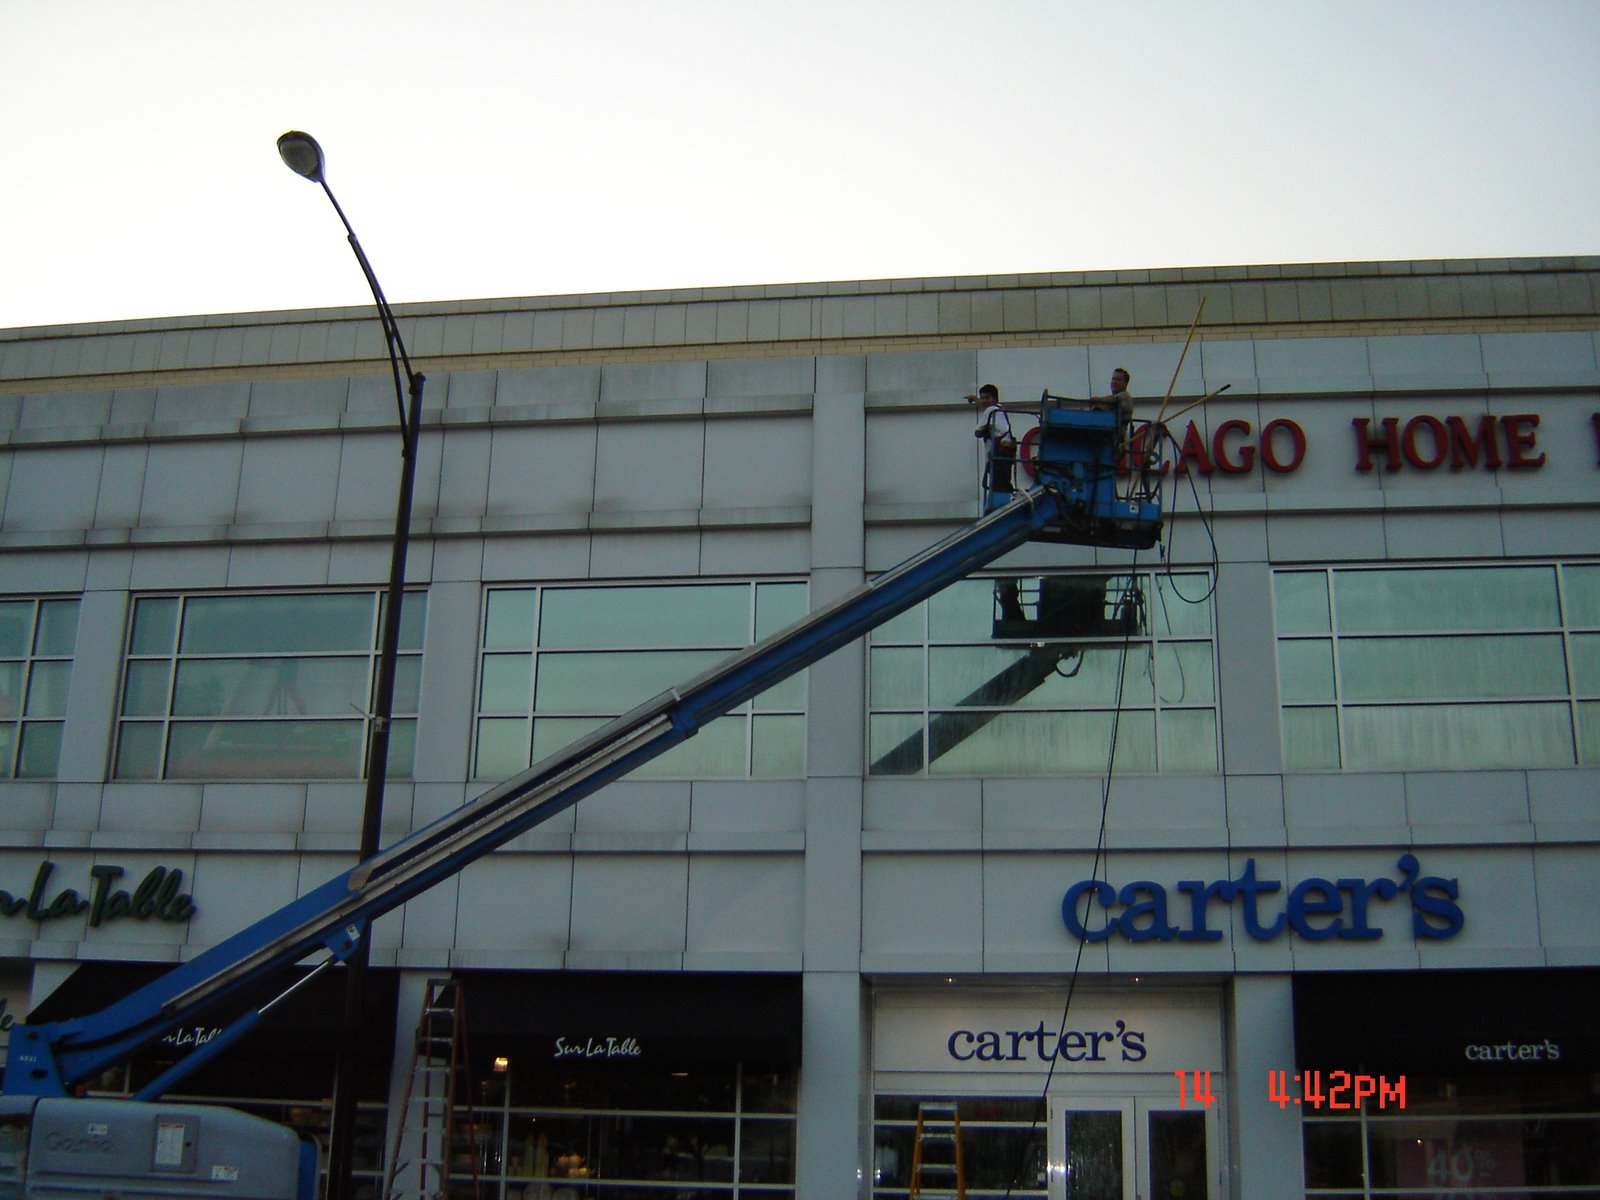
pixel 994 427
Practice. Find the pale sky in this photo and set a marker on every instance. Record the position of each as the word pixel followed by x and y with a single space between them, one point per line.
pixel 500 148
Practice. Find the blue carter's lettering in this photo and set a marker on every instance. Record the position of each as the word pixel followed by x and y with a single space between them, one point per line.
pixel 1316 909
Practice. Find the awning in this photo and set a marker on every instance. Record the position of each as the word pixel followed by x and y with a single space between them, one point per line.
pixel 1448 1022
pixel 610 1019
pixel 308 1021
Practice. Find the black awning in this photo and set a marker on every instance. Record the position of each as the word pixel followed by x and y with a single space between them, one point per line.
pixel 1448 1022
pixel 611 1018
pixel 309 1021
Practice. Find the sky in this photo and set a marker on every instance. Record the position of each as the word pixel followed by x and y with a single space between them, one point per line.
pixel 487 148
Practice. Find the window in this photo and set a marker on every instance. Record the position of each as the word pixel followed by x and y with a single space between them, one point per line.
pixel 558 662
pixel 1002 1145
pixel 711 1131
pixel 262 686
pixel 1439 667
pixel 37 640
pixel 1461 1137
pixel 1032 675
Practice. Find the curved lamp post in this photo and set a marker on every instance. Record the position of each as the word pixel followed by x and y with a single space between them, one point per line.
pixel 304 157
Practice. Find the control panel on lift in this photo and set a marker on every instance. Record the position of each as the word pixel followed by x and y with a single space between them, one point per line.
pixel 1100 467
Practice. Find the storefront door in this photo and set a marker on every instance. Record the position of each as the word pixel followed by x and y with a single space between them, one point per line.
pixel 1133 1148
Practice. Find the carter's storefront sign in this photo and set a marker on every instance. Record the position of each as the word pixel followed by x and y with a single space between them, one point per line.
pixel 1105 1033
pixel 1317 909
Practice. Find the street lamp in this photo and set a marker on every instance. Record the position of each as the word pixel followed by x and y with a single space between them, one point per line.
pixel 303 156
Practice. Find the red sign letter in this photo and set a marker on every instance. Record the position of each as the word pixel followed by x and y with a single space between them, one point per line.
pixel 1297 443
pixel 1388 442
pixel 1519 439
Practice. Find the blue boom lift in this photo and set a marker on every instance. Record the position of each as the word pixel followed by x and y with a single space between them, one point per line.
pixel 1089 490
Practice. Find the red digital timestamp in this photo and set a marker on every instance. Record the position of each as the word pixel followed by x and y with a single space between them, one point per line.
pixel 1344 1090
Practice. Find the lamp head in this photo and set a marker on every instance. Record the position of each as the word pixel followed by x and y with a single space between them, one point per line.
pixel 301 154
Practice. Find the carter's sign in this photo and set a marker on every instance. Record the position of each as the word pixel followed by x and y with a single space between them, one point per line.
pixel 1314 908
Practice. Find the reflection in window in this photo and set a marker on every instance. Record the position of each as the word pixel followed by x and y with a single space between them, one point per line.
pixel 37 640
pixel 558 662
pixel 1439 667
pixel 1035 675
pixel 272 686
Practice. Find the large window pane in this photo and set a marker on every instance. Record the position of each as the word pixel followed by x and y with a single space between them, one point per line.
pixel 615 682
pixel 11 690
pixel 1184 673
pixel 47 689
pixel 1310 739
pixel 502 747
pixel 1305 670
pixel 144 693
pixel 509 620
pixel 1589 732
pixel 1582 585
pixel 58 628
pixel 707 614
pixel 155 625
pixel 16 627
pixel 1052 675
pixel 1182 605
pixel 265 750
pixel 1188 740
pixel 505 684
pixel 1454 668
pixel 896 677
pixel 1026 743
pixel 778 747
pixel 286 624
pixel 1446 737
pixel 271 687
pixel 1585 651
pixel 1446 598
pixel 139 751
pixel 1302 601
pixel 41 750
pixel 778 605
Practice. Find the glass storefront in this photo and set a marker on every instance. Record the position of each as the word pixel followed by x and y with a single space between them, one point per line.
pixel 1490 1084
pixel 724 1130
pixel 627 1086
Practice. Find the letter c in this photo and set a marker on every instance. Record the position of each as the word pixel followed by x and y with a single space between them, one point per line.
pixel 1102 892
pixel 951 1045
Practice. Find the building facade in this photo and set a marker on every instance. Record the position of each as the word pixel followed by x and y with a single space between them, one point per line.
pixel 1261 863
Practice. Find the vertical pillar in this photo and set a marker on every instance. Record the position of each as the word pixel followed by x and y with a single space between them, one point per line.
pixel 1265 1157
pixel 833 1133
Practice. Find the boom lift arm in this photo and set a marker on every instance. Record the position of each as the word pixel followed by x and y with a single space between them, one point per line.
pixel 1082 498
